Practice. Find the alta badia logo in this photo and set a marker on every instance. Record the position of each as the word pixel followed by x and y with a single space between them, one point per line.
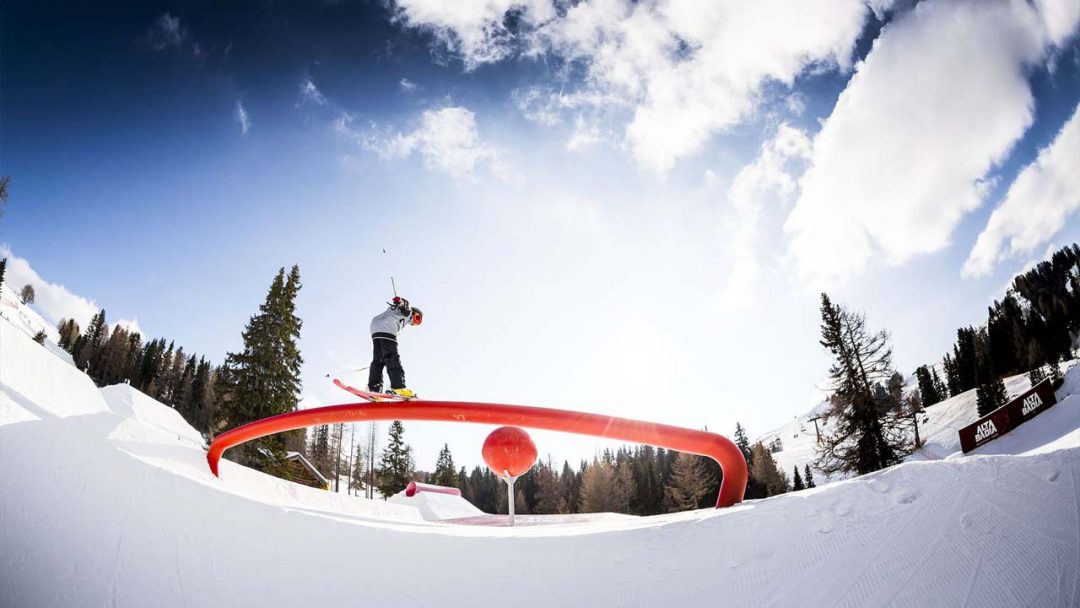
pixel 1031 403
pixel 986 429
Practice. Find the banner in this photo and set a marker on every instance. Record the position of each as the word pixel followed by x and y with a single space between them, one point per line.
pixel 1007 417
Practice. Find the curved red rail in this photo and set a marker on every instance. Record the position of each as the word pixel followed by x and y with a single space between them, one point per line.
pixel 702 443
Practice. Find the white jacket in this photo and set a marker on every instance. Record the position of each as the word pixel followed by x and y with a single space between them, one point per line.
pixel 390 321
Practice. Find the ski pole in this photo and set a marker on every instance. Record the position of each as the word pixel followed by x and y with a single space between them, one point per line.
pixel 390 271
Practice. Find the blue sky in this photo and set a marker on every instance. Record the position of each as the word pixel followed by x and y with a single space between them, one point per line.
pixel 616 207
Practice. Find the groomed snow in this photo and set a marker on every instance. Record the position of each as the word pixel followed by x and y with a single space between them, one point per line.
pixel 108 501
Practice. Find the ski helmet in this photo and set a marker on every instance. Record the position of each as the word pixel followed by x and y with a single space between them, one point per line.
pixel 417 316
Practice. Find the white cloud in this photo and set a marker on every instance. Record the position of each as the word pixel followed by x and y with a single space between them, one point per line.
pixel 241 116
pixel 407 86
pixel 309 94
pixel 131 325
pixel 768 181
pixel 683 70
pixel 940 101
pixel 446 139
pixel 166 32
pixel 1036 206
pixel 584 136
pixel 796 103
pixel 51 300
pixel 537 105
pixel 475 29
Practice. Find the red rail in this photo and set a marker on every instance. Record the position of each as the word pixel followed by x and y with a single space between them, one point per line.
pixel 702 443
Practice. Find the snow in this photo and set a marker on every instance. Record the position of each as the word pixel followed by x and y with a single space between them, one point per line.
pixel 107 500
pixel 27 320
pixel 36 383
pixel 434 506
pixel 130 403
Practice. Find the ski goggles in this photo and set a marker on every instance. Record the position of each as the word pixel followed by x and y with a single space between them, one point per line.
pixel 417 317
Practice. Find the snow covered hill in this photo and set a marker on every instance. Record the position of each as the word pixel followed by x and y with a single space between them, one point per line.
pixel 938 428
pixel 107 500
pixel 28 321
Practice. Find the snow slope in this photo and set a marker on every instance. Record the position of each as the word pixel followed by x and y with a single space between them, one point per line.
pixel 108 500
pixel 27 320
pixel 938 427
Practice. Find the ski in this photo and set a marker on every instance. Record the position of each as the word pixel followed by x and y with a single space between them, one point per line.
pixel 370 396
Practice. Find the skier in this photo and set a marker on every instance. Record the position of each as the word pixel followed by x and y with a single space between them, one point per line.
pixel 385 328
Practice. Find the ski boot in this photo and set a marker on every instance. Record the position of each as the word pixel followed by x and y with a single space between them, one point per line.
pixel 403 393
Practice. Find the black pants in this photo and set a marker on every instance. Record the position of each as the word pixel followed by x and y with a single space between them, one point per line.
pixel 385 355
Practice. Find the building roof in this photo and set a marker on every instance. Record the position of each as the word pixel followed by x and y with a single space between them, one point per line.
pixel 307 465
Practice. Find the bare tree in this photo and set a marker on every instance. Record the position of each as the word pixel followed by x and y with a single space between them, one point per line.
pixel 26 295
pixel 690 482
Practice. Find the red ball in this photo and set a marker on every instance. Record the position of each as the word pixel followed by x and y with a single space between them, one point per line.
pixel 509 449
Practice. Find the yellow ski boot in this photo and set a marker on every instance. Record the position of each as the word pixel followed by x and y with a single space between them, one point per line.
pixel 404 393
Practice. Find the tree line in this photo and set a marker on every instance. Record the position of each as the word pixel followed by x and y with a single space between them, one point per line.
pixel 261 380
pixel 635 480
pixel 162 370
pixel 1031 329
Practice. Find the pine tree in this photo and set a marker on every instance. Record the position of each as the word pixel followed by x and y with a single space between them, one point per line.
pixel 445 473
pixel 26 294
pixel 927 387
pixel 598 488
pixel 624 488
pixel 966 358
pixel 170 384
pixel 569 487
pixel 690 482
pixel 182 397
pixel 939 386
pixel 3 269
pixel 133 358
pixel 90 343
pixel 264 378
pixel 952 376
pixel 356 475
pixel 767 473
pixel 797 483
pixel 649 497
pixel 809 475
pixel 112 362
pixel 1051 291
pixel 150 364
pixel 200 384
pixel 743 443
pixel 395 466
pixel 161 383
pixel 990 393
pixel 548 497
pixel 1004 328
pixel 871 429
pixel 464 486
pixel 320 448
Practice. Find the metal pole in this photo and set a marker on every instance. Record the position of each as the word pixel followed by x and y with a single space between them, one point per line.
pixel 510 494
